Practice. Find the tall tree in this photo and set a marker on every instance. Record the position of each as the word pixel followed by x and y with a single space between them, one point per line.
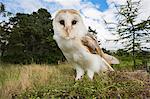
pixel 131 33
pixel 31 39
pixel 4 29
pixel 4 35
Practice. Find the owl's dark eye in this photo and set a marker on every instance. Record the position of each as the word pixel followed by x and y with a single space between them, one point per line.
pixel 62 22
pixel 74 22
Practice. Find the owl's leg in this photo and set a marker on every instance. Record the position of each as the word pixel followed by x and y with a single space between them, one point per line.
pixel 90 73
pixel 79 73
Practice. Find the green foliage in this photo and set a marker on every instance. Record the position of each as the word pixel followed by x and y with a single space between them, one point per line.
pixel 31 39
pixel 122 52
pixel 142 60
pixel 4 35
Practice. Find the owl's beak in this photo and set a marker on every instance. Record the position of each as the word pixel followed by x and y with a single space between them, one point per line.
pixel 68 30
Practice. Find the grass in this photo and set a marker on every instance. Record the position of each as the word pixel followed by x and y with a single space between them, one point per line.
pixel 126 63
pixel 49 81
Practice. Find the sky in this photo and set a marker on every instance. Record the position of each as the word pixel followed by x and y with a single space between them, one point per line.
pixel 93 12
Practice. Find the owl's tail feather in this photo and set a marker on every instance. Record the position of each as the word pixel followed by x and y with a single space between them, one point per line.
pixel 108 67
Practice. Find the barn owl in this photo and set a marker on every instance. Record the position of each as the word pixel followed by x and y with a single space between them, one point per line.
pixel 78 46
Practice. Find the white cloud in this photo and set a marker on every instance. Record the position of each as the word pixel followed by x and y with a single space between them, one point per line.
pixel 144 10
pixel 25 6
pixel 92 13
pixel 30 5
pixel 66 2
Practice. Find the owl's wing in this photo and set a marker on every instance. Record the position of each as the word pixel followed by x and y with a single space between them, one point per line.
pixel 92 45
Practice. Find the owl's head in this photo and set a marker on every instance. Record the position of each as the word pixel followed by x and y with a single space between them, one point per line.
pixel 68 24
